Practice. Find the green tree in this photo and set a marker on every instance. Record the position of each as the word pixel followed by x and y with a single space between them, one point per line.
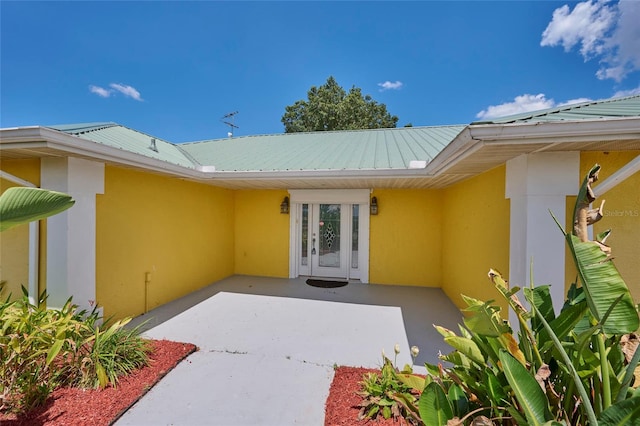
pixel 330 107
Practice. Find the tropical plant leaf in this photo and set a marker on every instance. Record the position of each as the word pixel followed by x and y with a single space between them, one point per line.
pixel 495 390
pixel 459 400
pixel 411 380
pixel 542 301
pixel 466 347
pixel 603 284
pixel 20 205
pixel 532 400
pixel 625 413
pixel 435 408
pixel 572 371
pixel 564 323
pixel 486 321
pixel 54 350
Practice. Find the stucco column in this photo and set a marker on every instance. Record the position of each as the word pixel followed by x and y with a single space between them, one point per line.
pixel 536 184
pixel 71 235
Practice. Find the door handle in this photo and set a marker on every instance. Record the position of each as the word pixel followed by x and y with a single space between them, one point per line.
pixel 313 246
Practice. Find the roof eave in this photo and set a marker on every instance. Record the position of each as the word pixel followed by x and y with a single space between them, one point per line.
pixel 559 131
pixel 476 136
pixel 314 174
pixel 37 137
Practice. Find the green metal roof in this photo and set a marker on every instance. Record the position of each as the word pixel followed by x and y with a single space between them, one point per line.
pixel 608 108
pixel 117 136
pixel 377 149
pixel 340 150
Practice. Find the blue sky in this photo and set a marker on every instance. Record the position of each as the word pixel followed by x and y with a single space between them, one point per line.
pixel 174 69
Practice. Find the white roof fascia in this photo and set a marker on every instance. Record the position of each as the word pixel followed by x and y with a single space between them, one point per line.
pixel 313 174
pixel 559 131
pixel 459 148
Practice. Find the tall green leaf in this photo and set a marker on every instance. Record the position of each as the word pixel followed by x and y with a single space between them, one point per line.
pixel 603 284
pixel 20 205
pixel 542 301
pixel 435 408
pixel 532 400
pixel 564 323
pixel 624 413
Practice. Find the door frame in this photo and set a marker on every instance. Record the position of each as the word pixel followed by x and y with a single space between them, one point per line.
pixel 329 196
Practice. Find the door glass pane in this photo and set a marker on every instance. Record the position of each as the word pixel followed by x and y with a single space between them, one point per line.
pixel 304 255
pixel 354 235
pixel 329 227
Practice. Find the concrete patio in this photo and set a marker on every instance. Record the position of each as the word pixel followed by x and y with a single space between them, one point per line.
pixel 268 347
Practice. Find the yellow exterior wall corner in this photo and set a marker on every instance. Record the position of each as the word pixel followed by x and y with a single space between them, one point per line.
pixel 159 238
pixel 476 218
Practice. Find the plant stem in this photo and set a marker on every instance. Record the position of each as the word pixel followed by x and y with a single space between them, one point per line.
pixel 591 415
pixel 604 373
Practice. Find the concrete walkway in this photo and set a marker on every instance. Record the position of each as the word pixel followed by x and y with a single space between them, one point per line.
pixel 268 347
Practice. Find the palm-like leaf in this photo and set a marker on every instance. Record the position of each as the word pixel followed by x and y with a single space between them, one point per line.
pixel 625 413
pixel 603 284
pixel 532 400
pixel 20 205
pixel 435 408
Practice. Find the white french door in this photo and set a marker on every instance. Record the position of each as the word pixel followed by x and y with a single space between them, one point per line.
pixel 329 242
pixel 329 238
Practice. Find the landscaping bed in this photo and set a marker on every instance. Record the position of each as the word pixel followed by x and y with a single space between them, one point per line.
pixel 67 406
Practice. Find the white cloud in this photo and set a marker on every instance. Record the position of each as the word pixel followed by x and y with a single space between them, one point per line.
pixel 604 30
pixel 575 101
pixel 100 91
pixel 587 25
pixel 624 54
pixel 390 85
pixel 126 90
pixel 522 103
pixel 630 92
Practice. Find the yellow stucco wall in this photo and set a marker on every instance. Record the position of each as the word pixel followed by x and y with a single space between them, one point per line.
pixel 621 213
pixel 14 243
pixel 405 238
pixel 476 236
pixel 261 234
pixel 176 233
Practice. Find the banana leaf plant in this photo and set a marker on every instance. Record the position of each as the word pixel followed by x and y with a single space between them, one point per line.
pixel 19 205
pixel 551 368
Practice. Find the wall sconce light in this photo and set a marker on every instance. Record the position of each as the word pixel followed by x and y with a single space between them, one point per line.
pixel 284 206
pixel 373 207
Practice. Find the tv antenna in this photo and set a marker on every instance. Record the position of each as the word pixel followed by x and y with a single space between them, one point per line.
pixel 229 120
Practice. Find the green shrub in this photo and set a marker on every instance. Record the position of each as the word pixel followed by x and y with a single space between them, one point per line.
pixel 110 353
pixel 42 349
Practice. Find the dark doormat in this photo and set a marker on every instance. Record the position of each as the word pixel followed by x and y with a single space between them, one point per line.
pixel 326 283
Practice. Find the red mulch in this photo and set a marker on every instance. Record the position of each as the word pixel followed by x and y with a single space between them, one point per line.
pixel 342 404
pixel 79 407
pixel 103 407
